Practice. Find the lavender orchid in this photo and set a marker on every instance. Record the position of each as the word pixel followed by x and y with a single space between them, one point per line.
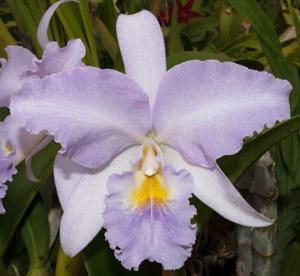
pixel 21 67
pixel 135 146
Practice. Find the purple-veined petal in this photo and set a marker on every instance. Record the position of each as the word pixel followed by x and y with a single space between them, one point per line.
pixel 143 50
pixel 204 109
pixel 213 188
pixel 7 170
pixel 95 114
pixel 57 59
pixel 3 189
pixel 12 71
pixel 42 32
pixel 83 200
pixel 160 232
pixel 15 138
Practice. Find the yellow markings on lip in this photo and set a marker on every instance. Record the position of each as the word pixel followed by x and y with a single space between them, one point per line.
pixel 149 190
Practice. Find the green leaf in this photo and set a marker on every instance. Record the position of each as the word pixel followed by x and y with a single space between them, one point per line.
pixel 245 41
pixel 87 23
pixel 197 29
pixel 109 16
pixel 66 16
pixel 291 264
pixel 2 268
pixel 27 15
pixel 230 23
pixel 296 22
pixel 35 234
pixel 106 38
pixel 154 6
pixel 5 37
pixel 235 165
pixel 21 192
pixel 174 43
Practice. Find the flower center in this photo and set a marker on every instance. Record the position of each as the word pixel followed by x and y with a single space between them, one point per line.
pixel 150 187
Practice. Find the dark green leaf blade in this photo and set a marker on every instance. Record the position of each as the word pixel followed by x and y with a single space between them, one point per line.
pixel 235 165
pixel 35 234
pixel 21 192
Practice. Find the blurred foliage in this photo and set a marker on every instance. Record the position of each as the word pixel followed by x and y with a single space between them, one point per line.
pixel 262 35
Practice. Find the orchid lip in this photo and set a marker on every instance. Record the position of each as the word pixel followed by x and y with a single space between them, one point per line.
pixel 150 202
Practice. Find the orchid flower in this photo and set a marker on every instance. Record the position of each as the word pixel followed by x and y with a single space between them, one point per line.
pixel 21 67
pixel 136 146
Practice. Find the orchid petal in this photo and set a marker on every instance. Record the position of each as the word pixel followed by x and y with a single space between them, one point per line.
pixel 19 61
pixel 95 114
pixel 15 138
pixel 7 170
pixel 57 59
pixel 15 144
pixel 204 109
pixel 22 66
pixel 143 50
pixel 159 229
pixel 67 175
pixel 84 202
pixel 3 189
pixel 45 142
pixel 42 32
pixel 213 188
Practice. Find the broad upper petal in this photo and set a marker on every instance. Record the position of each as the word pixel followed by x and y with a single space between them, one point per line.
pixel 213 188
pixel 95 114
pixel 12 71
pixel 204 109
pixel 82 193
pixel 143 50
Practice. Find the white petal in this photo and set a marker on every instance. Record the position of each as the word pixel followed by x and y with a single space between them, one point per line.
pixel 94 114
pixel 13 135
pixel 12 72
pixel 204 109
pixel 44 23
pixel 44 143
pixel 142 46
pixel 213 188
pixel 82 194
